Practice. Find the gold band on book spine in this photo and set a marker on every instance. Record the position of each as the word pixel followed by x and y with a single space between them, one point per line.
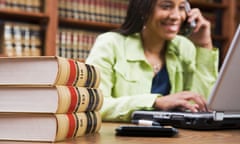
pixel 63 71
pixel 83 74
pixel 97 76
pixel 99 94
pixel 64 99
pixel 90 76
pixel 98 121
pixel 62 126
pixel 94 122
pixel 84 99
pixel 82 121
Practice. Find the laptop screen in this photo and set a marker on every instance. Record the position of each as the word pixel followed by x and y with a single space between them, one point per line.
pixel 225 96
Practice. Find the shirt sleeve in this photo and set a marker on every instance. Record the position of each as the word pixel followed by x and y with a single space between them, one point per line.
pixel 197 67
pixel 206 70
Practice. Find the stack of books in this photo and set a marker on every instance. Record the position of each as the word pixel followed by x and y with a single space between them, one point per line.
pixel 48 98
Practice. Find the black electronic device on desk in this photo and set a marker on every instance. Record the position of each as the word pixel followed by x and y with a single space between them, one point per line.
pixel 145 128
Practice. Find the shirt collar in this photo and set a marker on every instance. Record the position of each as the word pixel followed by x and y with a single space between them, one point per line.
pixel 135 51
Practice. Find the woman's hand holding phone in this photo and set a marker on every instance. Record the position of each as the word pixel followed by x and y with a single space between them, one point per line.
pixel 200 28
pixel 187 26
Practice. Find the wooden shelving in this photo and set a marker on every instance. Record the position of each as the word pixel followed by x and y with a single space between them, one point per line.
pixel 220 38
pixel 15 15
pixel 87 24
pixel 51 9
pixel 49 19
pixel 228 24
pixel 206 5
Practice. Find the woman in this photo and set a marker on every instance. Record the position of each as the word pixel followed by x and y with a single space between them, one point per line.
pixel 146 65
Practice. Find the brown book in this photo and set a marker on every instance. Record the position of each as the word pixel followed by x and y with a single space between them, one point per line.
pixel 47 71
pixel 56 99
pixel 48 127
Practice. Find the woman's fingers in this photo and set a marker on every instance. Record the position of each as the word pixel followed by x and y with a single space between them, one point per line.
pixel 197 99
pixel 185 105
pixel 184 100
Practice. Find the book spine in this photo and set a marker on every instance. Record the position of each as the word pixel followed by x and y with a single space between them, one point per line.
pixel 8 39
pixel 75 73
pixel 79 99
pixel 77 124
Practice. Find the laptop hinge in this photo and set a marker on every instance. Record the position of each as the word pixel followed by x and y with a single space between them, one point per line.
pixel 218 116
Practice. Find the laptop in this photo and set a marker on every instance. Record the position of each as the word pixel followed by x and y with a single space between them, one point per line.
pixel 224 101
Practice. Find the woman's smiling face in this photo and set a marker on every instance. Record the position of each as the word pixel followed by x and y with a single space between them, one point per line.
pixel 167 17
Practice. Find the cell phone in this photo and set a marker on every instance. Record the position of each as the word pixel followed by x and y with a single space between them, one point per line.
pixel 187 27
pixel 146 131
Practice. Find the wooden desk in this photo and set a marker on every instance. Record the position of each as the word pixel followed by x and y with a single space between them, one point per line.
pixel 107 136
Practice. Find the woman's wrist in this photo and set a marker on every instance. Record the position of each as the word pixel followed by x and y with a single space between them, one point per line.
pixel 207 45
pixel 158 103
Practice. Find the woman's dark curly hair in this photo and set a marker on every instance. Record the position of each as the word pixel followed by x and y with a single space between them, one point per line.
pixel 138 13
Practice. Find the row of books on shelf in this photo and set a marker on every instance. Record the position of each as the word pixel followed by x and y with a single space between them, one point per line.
pixel 48 98
pixel 109 11
pixel 72 43
pixel 20 39
pixel 22 5
pixel 208 1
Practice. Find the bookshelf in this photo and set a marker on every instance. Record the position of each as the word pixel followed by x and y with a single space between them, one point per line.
pixel 48 18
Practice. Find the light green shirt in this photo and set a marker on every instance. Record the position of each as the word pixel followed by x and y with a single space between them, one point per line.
pixel 126 75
